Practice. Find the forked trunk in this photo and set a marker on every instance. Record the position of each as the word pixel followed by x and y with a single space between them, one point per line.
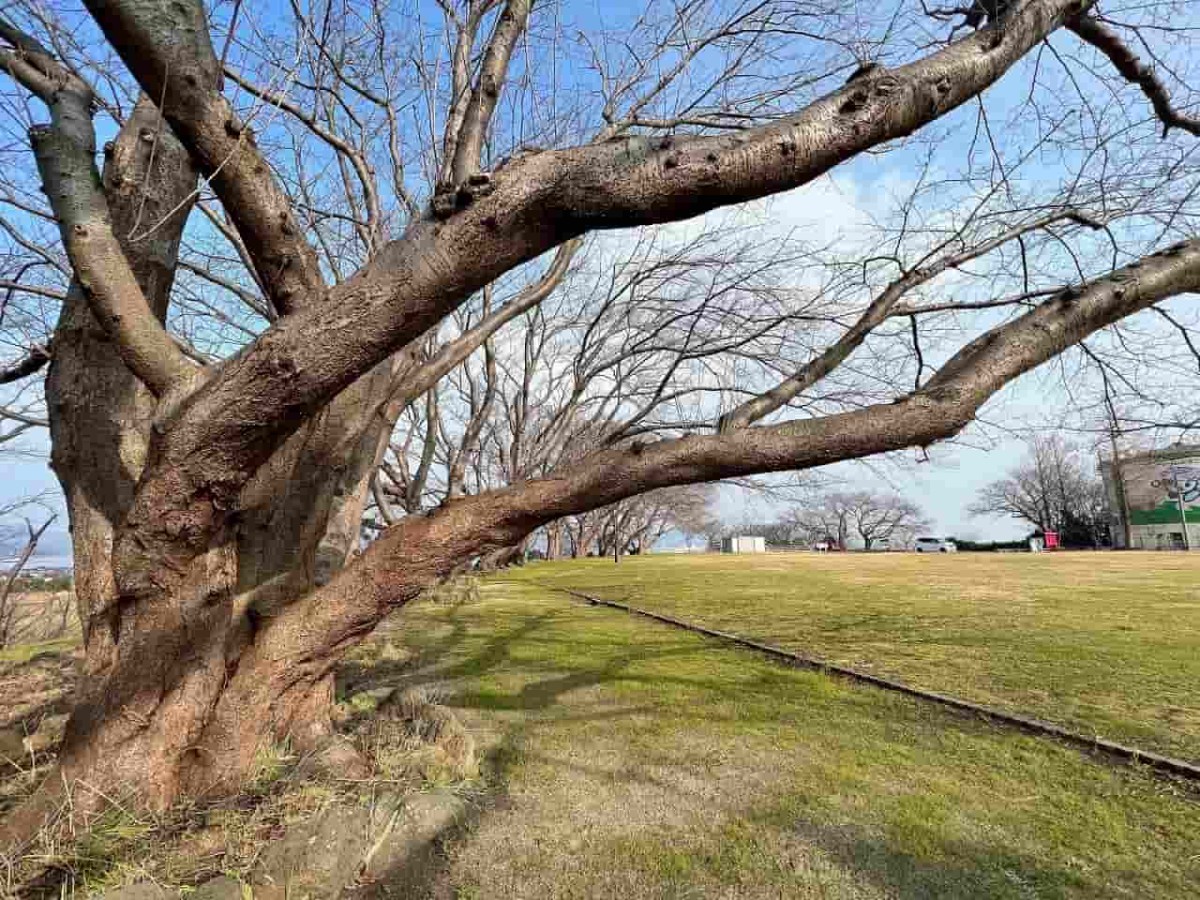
pixel 161 712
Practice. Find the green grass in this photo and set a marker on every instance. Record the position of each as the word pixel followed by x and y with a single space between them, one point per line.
pixel 1104 643
pixel 23 653
pixel 640 761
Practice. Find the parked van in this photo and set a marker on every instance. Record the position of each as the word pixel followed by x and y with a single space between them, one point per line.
pixel 935 545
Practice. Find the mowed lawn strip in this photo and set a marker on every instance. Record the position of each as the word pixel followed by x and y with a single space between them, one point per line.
pixel 642 761
pixel 1105 643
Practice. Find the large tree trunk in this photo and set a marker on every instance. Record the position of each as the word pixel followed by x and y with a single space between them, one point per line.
pixel 155 673
pixel 100 413
pixel 171 714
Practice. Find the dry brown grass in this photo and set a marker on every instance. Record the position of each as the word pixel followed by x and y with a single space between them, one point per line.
pixel 415 744
pixel 40 616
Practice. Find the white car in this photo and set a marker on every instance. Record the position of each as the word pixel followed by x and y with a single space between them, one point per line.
pixel 935 545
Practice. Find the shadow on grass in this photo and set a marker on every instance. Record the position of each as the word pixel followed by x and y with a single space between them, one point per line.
pixel 962 870
pixel 912 861
pixel 444 660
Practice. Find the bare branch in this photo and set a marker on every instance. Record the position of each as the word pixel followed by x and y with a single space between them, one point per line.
pixel 477 117
pixel 880 309
pixel 169 51
pixel 1093 31
pixel 362 168
pixel 24 418
pixel 33 363
pixel 7 608
pixel 449 355
pixel 65 152
pixel 12 286
pixel 73 186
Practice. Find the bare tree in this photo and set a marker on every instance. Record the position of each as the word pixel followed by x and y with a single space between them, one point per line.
pixel 1056 488
pixel 635 525
pixel 9 612
pixel 240 339
pixel 875 517
pixel 884 518
pixel 825 519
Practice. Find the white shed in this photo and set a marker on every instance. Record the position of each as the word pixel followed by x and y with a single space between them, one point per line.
pixel 744 544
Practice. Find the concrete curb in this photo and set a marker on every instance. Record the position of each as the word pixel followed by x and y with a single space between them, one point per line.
pixel 1096 745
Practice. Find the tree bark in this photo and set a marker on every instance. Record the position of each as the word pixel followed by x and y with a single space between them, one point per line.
pixel 100 412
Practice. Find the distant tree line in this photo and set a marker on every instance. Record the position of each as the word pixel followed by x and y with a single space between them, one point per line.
pixel 840 519
pixel 631 526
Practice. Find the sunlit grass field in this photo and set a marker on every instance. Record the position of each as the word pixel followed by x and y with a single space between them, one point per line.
pixel 1105 643
pixel 634 760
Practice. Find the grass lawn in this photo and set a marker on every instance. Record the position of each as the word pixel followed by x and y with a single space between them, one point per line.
pixel 634 760
pixel 1104 643
pixel 626 759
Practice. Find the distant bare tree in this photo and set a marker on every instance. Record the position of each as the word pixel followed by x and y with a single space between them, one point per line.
pixel 873 516
pixel 635 525
pixel 884 517
pixel 9 612
pixel 1056 488
pixel 826 518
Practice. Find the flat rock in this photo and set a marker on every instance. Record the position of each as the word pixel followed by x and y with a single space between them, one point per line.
pixel 405 855
pixel 318 858
pixel 220 888
pixel 142 890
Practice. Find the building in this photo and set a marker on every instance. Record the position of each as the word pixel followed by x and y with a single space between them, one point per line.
pixel 744 544
pixel 1155 499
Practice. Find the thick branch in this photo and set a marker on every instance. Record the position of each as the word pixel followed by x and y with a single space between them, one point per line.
pixel 468 148
pixel 65 151
pixel 168 49
pixel 452 354
pixel 32 65
pixel 1108 42
pixel 72 184
pixel 33 363
pixel 232 425
pixel 422 549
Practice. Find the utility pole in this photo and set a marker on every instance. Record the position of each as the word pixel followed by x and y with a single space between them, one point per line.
pixel 1118 471
pixel 1187 543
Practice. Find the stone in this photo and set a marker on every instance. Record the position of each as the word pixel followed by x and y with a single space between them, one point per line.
pixel 142 890
pixel 221 888
pixel 318 858
pixel 49 734
pixel 406 849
